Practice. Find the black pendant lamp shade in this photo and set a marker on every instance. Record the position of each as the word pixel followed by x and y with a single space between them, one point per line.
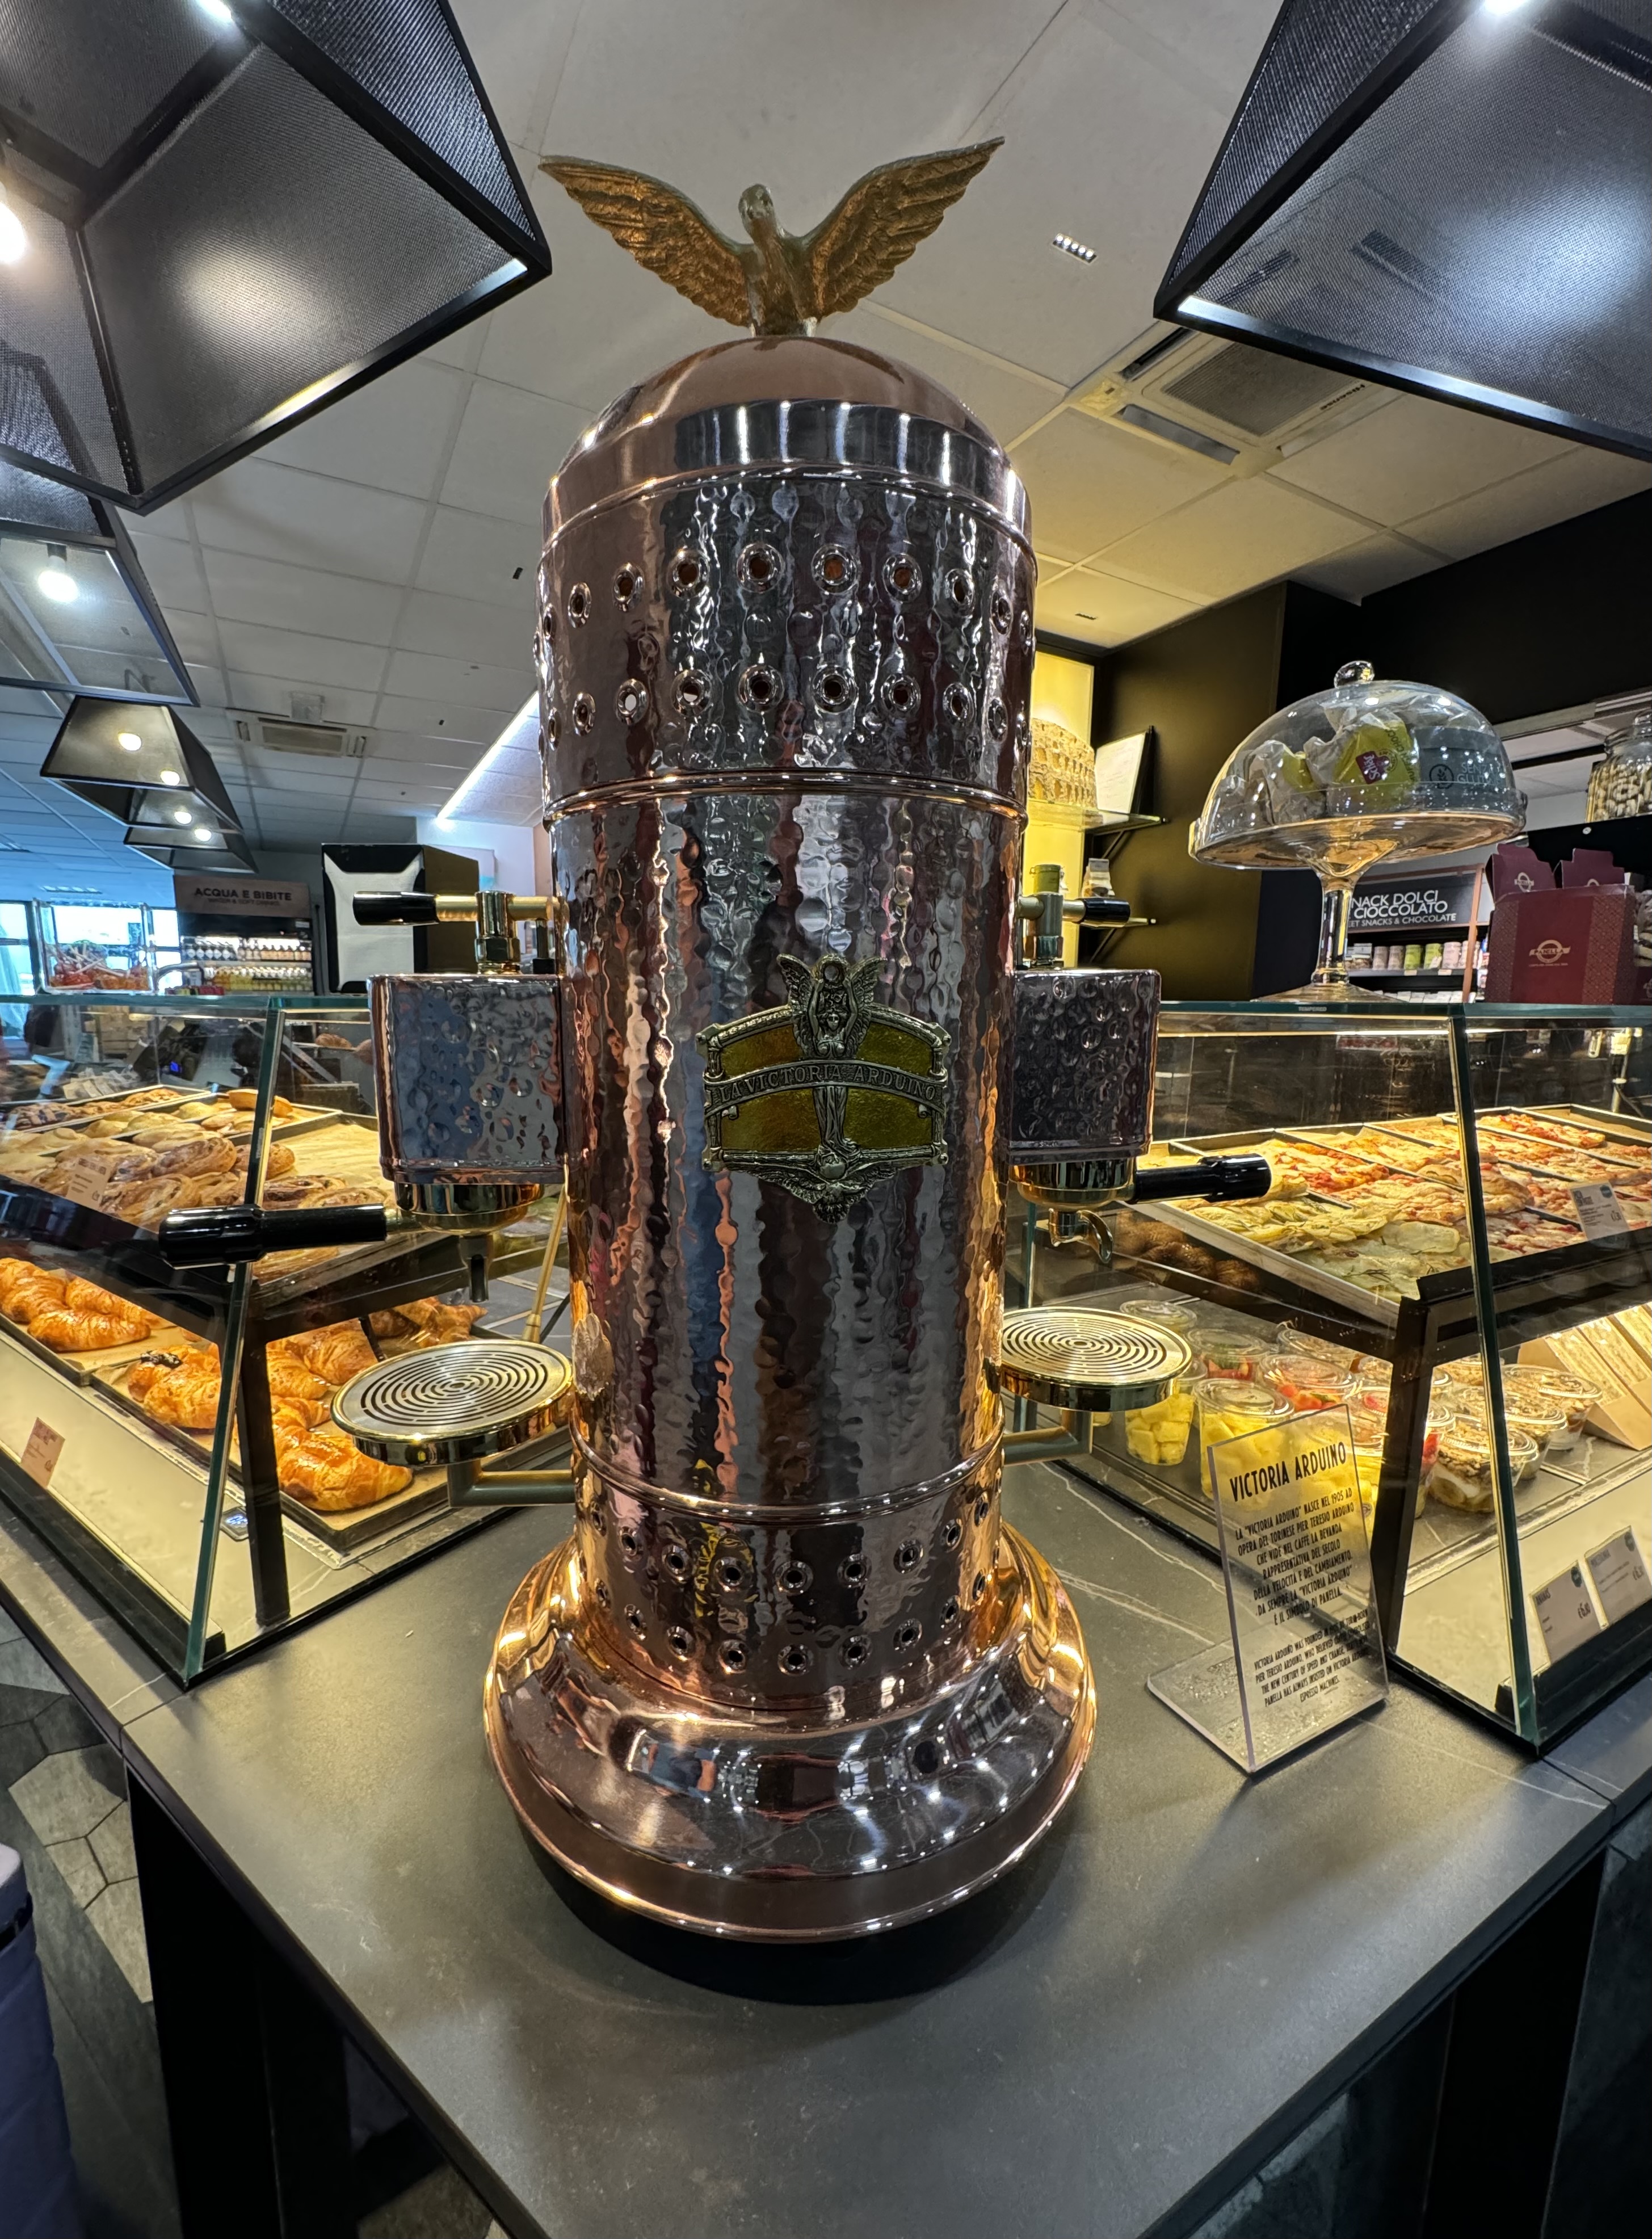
pixel 146 768
pixel 221 214
pixel 75 612
pixel 1455 199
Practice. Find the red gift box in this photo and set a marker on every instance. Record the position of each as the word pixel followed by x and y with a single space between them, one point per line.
pixel 1570 945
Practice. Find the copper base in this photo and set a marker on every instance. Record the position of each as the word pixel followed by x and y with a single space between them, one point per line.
pixel 790 1829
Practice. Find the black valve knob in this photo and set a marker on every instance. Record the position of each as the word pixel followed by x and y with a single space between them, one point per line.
pixel 217 1236
pixel 1105 909
pixel 1216 1180
pixel 395 909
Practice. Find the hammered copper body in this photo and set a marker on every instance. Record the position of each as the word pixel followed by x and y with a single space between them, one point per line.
pixel 791 1676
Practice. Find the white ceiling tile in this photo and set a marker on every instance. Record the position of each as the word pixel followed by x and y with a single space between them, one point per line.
pixel 278 513
pixel 1248 532
pixel 302 774
pixel 465 683
pixel 1104 609
pixel 274 593
pixel 195 636
pixel 394 433
pixel 1368 566
pixel 472 556
pixel 1008 398
pixel 1414 454
pixel 464 631
pixel 1091 484
pixel 441 721
pixel 173 569
pixel 273 695
pixel 1220 40
pixel 510 444
pixel 1576 482
pixel 518 47
pixel 307 660
pixel 208 680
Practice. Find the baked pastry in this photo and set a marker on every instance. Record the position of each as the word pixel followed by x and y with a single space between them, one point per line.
pixel 290 1380
pixel 66 1330
pixel 326 1469
pixel 336 1353
pixel 201 1154
pixel 25 1289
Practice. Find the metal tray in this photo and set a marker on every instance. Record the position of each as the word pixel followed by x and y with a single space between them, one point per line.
pixel 84 1367
pixel 1363 1304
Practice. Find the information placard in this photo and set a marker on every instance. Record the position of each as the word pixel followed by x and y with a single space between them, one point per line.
pixel 1618 1569
pixel 1600 1210
pixel 1305 1652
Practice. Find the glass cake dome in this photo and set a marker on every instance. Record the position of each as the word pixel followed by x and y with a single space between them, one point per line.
pixel 1334 782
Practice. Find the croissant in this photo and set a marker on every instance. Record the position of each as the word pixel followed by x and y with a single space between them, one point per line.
pixel 187 1398
pixel 66 1332
pixel 325 1469
pixel 336 1353
pixel 392 1321
pixel 295 1419
pixel 145 1373
pixel 82 1297
pixel 21 1283
pixel 202 1154
pixel 290 1380
pixel 431 1313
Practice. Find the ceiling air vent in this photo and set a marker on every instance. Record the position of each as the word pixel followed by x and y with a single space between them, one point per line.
pixel 278 735
pixel 1256 390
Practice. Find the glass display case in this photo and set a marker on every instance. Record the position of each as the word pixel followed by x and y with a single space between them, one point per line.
pixel 169 1431
pixel 1456 1249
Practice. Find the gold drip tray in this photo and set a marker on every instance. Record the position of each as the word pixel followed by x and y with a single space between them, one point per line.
pixel 455 1403
pixel 1092 1361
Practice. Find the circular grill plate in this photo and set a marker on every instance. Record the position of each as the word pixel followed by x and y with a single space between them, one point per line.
pixel 1085 1359
pixel 453 1403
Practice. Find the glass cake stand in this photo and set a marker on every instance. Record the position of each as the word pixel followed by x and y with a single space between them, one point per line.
pixel 1345 778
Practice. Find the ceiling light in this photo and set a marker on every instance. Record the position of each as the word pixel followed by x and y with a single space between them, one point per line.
pixel 14 241
pixel 171 777
pixel 180 816
pixel 1501 7
pixel 130 741
pixel 1085 256
pixel 202 832
pixel 56 581
pixel 216 10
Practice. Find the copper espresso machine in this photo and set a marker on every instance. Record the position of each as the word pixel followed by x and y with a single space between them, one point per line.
pixel 791 1675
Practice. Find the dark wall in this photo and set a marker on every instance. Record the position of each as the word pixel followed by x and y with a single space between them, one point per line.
pixel 1201 684
pixel 1549 622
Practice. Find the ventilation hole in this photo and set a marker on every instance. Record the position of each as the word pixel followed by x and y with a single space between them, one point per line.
pixel 794 1659
pixel 552 727
pixel 599 1517
pixel 949 1612
pixel 693 690
pixel 579 605
pixel 676 1561
pixel 584 712
pixel 548 623
pixel 983 1503
pixel 794 1578
pixel 1024 630
pixel 759 567
pixel 952 1533
pixel 832 689
pixel 625 581
pixel 960 702
pixel 730 1574
pixel 759 686
pixel 907 1634
pixel 687 571
pixel 907 1553
pixel 602 1595
pixel 833 568
pixel 900 693
pixel 631 700
pixel 1001 613
pixel 977 1585
pixel 926 1759
pixel 903 575
pixel 680 1640
pixel 960 587
pixel 997 719
pixel 732 1656
pixel 856 1648
pixel 636 1621
pixel 852 1570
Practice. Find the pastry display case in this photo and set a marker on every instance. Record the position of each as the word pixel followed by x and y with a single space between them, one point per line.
pixel 204 1517
pixel 1456 1247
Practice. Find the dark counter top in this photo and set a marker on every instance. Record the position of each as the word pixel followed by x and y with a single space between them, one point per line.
pixel 1108 2042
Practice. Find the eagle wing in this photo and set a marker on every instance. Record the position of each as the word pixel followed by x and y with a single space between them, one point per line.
pixel 663 231
pixel 880 220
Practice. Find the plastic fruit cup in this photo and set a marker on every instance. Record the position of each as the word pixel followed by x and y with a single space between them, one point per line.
pixel 1231 1406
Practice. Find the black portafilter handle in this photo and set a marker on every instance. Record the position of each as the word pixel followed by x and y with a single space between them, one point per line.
pixel 1105 909
pixel 1214 1178
pixel 220 1235
pixel 395 909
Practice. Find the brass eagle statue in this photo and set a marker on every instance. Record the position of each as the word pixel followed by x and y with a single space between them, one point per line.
pixel 775 283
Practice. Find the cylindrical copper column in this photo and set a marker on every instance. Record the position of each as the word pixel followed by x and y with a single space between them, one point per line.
pixel 791 1676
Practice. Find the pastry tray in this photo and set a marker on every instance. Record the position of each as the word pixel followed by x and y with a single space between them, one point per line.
pixel 86 1368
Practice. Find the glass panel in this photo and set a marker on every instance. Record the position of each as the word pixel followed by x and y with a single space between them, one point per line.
pixel 68 618
pixel 1354 1282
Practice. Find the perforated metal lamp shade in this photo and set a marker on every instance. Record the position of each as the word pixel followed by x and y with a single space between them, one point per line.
pixel 1455 199
pixel 228 223
pixel 149 786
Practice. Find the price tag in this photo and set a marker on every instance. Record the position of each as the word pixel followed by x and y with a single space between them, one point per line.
pixel 1565 1612
pixel 1618 1569
pixel 1599 1213
pixel 40 1455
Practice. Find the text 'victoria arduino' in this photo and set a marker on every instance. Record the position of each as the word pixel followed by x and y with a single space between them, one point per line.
pixel 791 1676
